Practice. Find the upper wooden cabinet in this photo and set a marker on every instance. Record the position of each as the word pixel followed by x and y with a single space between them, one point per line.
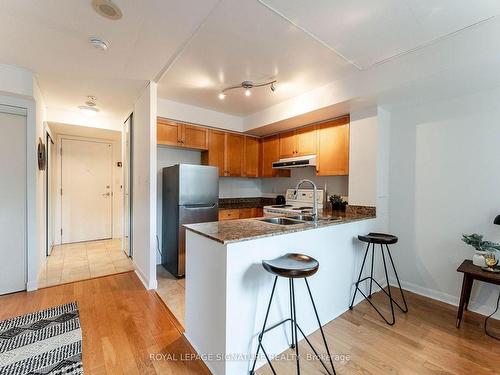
pixel 168 133
pixel 298 142
pixel 234 154
pixel 333 148
pixel 216 154
pixel 251 158
pixel 270 152
pixel 171 133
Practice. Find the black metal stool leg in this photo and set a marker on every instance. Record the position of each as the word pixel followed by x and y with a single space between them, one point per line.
pixel 388 288
pixel 321 330
pixel 405 310
pixel 371 273
pixel 252 371
pixel 359 277
pixel 291 314
pixel 295 327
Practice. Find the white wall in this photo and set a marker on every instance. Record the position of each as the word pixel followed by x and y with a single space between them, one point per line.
pixel 40 132
pixel 16 80
pixel 197 115
pixel 144 186
pixel 444 178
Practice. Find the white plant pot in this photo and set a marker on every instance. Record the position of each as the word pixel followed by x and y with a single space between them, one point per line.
pixel 478 258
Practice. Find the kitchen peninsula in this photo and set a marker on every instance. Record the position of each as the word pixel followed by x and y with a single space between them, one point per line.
pixel 227 289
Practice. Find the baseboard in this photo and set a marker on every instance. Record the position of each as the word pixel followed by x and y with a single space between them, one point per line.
pixel 151 284
pixel 31 285
pixel 443 297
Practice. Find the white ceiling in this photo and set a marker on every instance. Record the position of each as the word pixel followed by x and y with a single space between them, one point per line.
pixel 50 37
pixel 210 44
pixel 305 45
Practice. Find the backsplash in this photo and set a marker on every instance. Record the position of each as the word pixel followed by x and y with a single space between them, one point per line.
pixel 334 184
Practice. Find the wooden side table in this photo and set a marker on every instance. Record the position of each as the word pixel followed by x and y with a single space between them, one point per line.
pixel 471 273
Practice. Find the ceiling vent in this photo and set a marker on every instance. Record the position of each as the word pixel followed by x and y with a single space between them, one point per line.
pixel 107 9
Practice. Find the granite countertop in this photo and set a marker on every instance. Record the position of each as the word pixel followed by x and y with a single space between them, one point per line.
pixel 231 231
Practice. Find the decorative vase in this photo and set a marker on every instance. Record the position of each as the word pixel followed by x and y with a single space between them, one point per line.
pixel 478 258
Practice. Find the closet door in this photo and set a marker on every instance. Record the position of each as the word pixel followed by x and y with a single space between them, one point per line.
pixel 12 200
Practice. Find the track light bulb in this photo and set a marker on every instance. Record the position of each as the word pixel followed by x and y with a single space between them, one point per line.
pixel 222 96
pixel 248 92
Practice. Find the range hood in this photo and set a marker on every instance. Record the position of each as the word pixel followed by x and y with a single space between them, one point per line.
pixel 297 162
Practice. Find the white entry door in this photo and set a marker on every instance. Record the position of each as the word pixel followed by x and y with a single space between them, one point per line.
pixel 86 203
pixel 12 199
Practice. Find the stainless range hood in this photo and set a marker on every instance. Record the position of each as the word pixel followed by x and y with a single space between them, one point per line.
pixel 297 162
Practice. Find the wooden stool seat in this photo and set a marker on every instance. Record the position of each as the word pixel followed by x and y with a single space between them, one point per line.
pixel 292 266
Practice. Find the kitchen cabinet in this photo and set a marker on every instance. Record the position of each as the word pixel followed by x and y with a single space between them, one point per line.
pixel 333 148
pixel 216 154
pixel 194 137
pixel 240 213
pixel 234 154
pixel 168 133
pixel 171 133
pixel 299 142
pixel 270 152
pixel 251 157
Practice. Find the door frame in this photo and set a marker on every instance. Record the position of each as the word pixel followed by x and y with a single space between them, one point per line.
pixel 49 164
pixel 129 167
pixel 60 155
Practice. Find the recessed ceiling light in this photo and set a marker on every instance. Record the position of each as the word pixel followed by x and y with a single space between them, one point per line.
pixel 89 111
pixel 98 43
pixel 107 9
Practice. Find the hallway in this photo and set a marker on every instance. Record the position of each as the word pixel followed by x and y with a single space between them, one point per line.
pixel 84 260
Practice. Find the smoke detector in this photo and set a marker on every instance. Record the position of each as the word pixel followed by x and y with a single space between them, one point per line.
pixel 107 9
pixel 99 43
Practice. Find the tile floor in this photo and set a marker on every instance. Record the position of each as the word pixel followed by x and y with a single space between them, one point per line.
pixel 171 290
pixel 84 260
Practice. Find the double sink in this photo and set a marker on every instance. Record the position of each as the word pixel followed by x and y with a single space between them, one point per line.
pixel 295 220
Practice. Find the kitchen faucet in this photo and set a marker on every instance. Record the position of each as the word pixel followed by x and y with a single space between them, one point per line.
pixel 315 193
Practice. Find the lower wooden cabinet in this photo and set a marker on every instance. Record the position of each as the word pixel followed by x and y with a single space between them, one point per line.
pixel 240 213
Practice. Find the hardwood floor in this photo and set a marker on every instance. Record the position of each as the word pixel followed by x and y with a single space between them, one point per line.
pixel 123 325
pixel 424 341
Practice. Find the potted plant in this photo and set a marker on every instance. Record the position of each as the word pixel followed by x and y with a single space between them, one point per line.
pixel 481 247
pixel 338 204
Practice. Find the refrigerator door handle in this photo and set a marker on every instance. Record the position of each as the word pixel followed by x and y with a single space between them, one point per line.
pixel 195 206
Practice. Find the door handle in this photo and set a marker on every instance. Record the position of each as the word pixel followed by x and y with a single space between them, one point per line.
pixel 106 194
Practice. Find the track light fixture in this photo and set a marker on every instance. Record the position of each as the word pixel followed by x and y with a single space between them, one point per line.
pixel 248 86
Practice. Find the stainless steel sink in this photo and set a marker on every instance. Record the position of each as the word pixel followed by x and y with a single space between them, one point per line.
pixel 302 217
pixel 281 221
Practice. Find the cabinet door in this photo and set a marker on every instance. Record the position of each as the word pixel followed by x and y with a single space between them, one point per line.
pixel 270 153
pixel 168 132
pixel 234 154
pixel 287 145
pixel 306 140
pixel 333 152
pixel 216 151
pixel 251 161
pixel 194 137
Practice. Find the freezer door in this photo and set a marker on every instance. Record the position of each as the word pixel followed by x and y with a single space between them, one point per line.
pixel 189 214
pixel 198 184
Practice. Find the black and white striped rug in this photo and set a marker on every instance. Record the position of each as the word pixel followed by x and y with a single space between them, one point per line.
pixel 47 342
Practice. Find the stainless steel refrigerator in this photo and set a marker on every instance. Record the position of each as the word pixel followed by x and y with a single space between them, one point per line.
pixel 190 195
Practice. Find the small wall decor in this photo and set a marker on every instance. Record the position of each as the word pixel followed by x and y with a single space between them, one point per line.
pixel 42 155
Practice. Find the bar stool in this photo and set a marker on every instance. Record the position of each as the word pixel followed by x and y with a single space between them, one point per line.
pixel 292 266
pixel 381 239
